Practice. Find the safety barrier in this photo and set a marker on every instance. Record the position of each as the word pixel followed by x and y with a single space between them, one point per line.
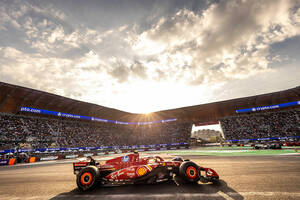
pixel 59 155
pixel 104 148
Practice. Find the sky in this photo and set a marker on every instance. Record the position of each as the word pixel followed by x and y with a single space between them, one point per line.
pixel 142 56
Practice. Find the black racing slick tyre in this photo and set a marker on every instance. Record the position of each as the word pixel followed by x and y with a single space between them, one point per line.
pixel 190 172
pixel 87 178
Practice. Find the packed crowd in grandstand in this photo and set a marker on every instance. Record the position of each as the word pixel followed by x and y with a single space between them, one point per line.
pixel 262 125
pixel 18 131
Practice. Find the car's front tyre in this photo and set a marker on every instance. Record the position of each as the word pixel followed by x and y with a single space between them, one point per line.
pixel 189 171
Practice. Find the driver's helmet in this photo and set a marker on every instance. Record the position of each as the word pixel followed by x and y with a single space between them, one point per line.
pixel 177 158
pixel 92 161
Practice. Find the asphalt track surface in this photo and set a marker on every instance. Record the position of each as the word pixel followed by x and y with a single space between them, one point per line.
pixel 242 177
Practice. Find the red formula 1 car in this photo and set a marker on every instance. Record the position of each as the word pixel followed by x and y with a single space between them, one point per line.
pixel 131 169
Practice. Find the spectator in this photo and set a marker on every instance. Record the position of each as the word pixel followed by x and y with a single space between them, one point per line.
pixel 261 125
pixel 39 132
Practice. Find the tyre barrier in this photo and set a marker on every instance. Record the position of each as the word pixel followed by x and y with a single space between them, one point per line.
pixel 31 159
pixel 12 161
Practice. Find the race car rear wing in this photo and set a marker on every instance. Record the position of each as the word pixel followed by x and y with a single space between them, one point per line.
pixel 77 166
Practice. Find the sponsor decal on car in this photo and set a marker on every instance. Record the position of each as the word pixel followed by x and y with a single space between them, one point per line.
pixel 116 174
pixel 149 167
pixel 80 164
pixel 141 171
pixel 131 175
pixel 130 169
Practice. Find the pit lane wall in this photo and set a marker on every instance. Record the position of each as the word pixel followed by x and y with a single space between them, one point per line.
pixel 40 154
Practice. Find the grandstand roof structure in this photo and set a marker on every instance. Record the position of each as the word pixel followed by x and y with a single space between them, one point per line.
pixel 13 97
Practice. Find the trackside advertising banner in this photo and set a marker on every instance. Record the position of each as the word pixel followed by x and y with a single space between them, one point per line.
pixel 61 114
pixel 4 162
pixel 71 156
pixel 262 139
pixel 50 158
pixel 294 103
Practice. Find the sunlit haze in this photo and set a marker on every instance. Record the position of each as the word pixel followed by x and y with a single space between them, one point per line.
pixel 142 56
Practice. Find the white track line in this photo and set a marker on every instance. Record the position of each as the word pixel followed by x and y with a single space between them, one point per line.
pixel 224 195
pixel 229 195
pixel 191 195
pixel 290 154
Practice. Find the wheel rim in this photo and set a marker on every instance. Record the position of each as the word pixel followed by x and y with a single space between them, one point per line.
pixel 86 178
pixel 191 172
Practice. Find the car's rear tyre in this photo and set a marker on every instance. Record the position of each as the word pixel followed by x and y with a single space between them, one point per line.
pixel 189 171
pixel 87 179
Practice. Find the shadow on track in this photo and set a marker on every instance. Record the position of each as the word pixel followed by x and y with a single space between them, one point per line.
pixel 167 190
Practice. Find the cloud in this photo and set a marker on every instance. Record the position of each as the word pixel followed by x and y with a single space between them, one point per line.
pixel 163 52
pixel 54 39
pixel 57 75
pixel 123 70
pixel 42 28
pixel 139 70
pixel 120 72
pixel 234 35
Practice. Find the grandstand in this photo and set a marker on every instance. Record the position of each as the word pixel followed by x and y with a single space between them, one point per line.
pixel 42 131
pixel 284 123
pixel 13 97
